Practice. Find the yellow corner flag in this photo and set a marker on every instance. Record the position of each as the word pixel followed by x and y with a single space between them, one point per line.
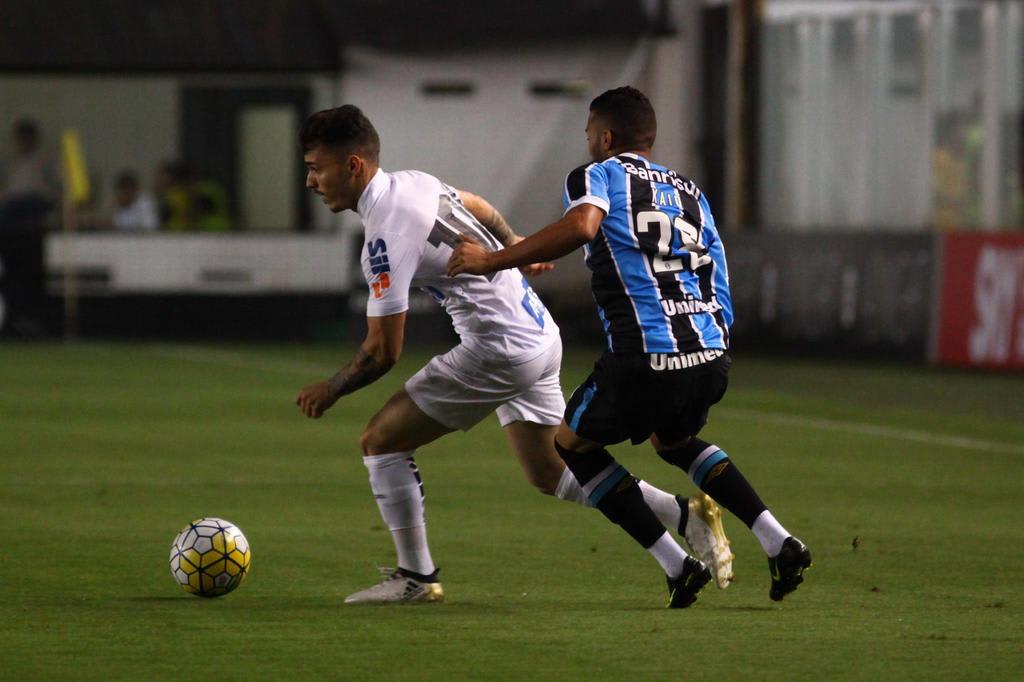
pixel 76 178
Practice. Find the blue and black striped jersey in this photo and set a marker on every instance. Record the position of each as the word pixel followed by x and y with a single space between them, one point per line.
pixel 659 275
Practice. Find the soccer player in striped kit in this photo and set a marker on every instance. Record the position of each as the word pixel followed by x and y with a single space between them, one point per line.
pixel 507 361
pixel 661 285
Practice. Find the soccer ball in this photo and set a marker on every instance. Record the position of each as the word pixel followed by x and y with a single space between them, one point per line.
pixel 210 557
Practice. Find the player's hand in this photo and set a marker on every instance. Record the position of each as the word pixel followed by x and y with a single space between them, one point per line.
pixel 469 257
pixel 533 269
pixel 315 399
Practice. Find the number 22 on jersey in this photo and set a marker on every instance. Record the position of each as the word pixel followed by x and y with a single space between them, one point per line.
pixel 689 240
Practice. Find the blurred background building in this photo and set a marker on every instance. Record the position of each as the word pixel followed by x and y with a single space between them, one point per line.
pixel 864 158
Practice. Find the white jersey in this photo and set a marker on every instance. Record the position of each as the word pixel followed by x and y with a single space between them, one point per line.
pixel 412 221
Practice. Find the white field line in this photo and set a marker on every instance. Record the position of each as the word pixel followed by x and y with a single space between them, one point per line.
pixel 201 354
pixel 865 429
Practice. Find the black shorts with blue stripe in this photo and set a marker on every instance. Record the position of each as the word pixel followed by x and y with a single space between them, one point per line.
pixel 633 395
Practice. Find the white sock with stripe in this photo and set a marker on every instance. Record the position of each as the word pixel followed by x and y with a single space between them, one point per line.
pixel 396 486
pixel 570 490
pixel 663 504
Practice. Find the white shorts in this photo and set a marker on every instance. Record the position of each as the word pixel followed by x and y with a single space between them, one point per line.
pixel 460 388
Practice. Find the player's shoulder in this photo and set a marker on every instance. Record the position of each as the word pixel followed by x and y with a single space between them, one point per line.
pixel 583 179
pixel 595 167
pixel 412 196
pixel 673 176
pixel 414 179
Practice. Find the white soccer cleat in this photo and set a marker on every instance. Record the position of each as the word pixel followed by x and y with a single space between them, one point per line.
pixel 397 588
pixel 706 537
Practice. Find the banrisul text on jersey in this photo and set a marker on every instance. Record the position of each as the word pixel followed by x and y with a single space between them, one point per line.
pixel 658 266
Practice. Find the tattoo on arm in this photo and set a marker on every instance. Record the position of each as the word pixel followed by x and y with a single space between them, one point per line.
pixel 497 226
pixel 361 370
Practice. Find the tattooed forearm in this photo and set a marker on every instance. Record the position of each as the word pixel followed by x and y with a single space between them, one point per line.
pixel 361 370
pixel 499 227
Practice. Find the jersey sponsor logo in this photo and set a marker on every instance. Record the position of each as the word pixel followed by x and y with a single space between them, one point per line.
pixel 670 361
pixel 533 304
pixel 379 267
pixel 378 252
pixel 665 177
pixel 690 306
pixel 380 284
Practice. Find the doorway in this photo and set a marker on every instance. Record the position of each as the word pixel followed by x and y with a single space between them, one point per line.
pixel 245 140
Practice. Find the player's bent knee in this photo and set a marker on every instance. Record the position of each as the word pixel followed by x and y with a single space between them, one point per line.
pixel 545 485
pixel 662 446
pixel 544 475
pixel 364 443
pixel 372 441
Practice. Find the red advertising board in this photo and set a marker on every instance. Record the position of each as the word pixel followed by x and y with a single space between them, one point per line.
pixel 980 321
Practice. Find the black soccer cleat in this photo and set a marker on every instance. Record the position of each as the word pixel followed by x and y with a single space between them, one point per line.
pixel 787 568
pixel 683 591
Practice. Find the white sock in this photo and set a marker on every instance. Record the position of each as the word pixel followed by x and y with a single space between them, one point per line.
pixel 398 490
pixel 663 505
pixel 669 554
pixel 569 489
pixel 770 533
pixel 412 548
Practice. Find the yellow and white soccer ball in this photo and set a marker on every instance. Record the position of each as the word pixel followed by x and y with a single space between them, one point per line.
pixel 210 557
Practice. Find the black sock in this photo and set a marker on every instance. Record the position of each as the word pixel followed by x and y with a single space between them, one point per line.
pixel 684 513
pixel 432 578
pixel 614 492
pixel 714 473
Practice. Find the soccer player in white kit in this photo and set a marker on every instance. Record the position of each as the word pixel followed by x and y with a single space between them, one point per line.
pixel 507 360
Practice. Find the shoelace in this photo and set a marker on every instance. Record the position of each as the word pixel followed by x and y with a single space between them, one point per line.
pixel 388 573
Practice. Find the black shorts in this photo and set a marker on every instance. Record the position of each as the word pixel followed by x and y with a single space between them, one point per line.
pixel 625 397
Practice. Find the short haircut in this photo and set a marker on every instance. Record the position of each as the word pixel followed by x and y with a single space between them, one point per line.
pixel 343 128
pixel 177 171
pixel 629 115
pixel 26 129
pixel 127 179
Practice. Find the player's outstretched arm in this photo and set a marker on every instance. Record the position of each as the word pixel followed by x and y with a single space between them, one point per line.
pixel 496 224
pixel 376 356
pixel 577 227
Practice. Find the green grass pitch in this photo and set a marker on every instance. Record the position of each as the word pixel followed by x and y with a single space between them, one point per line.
pixel 107 450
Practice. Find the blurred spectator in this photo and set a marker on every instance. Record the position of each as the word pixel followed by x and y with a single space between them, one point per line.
pixel 956 168
pixel 211 206
pixel 177 204
pixel 31 187
pixel 950 171
pixel 133 208
pixel 187 202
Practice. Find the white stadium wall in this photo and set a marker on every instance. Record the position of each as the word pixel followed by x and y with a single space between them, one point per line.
pixel 118 264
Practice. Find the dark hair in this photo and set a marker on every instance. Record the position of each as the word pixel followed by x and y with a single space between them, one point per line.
pixel 629 115
pixel 26 129
pixel 344 128
pixel 177 171
pixel 126 179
